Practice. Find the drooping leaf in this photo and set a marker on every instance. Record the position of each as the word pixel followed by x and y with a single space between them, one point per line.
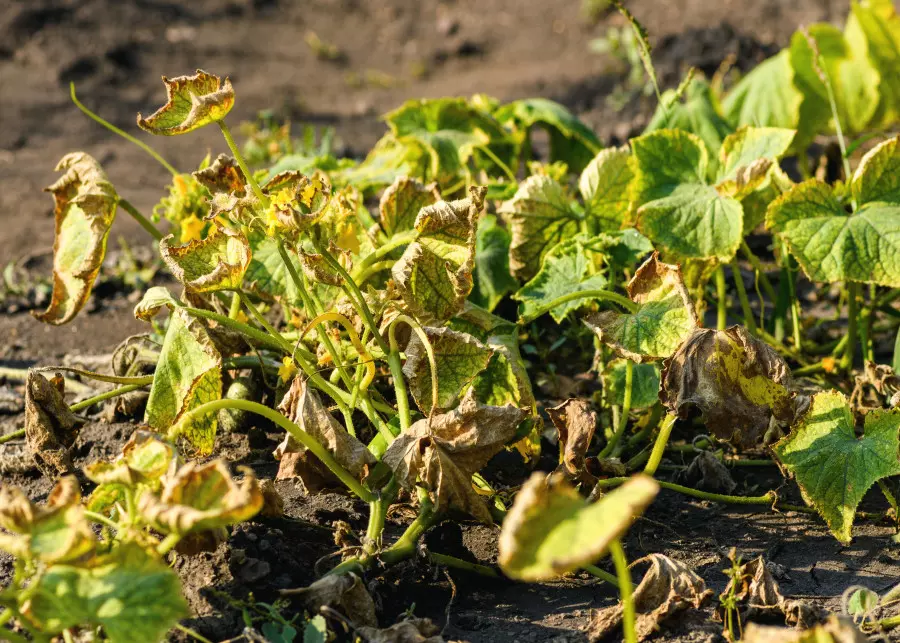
pixel 155 299
pixel 388 160
pixel 217 262
pixel 199 497
pixel 459 358
pixel 551 530
pixel 664 318
pixel 410 630
pixel 539 216
pixel 84 209
pixel 575 421
pixel 873 30
pixel 145 460
pixel 566 268
pixel 833 467
pixel 767 97
pixel 401 202
pixel 604 186
pixel 187 375
pixel 444 451
pixel 134 596
pixel 746 157
pixel 223 175
pixel 493 279
pixel 54 533
pixel 738 382
pixel 434 275
pixel 668 587
pixel 644 383
pixel 50 427
pixel 191 103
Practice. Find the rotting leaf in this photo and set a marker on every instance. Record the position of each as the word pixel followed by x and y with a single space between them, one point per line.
pixel 551 530
pixel 459 358
pixel 444 451
pixel 708 473
pixel 191 103
pixel 401 201
pixel 664 319
pixel 411 630
pixel 343 592
pixel 50 427
pixel 303 406
pixel 187 375
pixel 833 467
pixel 224 175
pixel 738 382
pixel 668 587
pixel 85 207
pixel 575 421
pixel 217 262
pixel 200 497
pixel 434 275
pixel 54 533
pixel 837 629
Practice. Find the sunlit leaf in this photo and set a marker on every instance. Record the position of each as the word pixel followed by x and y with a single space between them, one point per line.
pixel 187 375
pixel 766 97
pixel 833 467
pixel 223 175
pixel 217 262
pixel 266 275
pixel 191 103
pixel 873 30
pixel 493 279
pixel 836 629
pixel 155 299
pixel 401 202
pixel 746 157
pixel 145 460
pixel 85 207
pixel 551 530
pixel 388 160
pixel 575 422
pixel 604 186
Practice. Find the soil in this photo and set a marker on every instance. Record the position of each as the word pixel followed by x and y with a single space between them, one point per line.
pixel 115 52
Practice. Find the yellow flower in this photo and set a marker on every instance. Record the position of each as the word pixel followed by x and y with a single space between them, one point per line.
pixel 287 370
pixel 280 200
pixel 191 228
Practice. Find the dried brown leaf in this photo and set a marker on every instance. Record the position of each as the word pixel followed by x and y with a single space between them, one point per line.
pixel 708 473
pixel 343 592
pixel 224 175
pixel 50 427
pixel 413 630
pixel 837 629
pixel 575 421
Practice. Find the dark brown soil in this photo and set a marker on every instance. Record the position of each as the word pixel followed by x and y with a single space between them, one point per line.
pixel 115 52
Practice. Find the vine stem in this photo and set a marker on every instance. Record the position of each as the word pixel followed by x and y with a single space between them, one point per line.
pixel 623 415
pixel 263 199
pixel 760 273
pixel 92 515
pixel 606 295
pixel 14 435
pixel 659 447
pixel 624 576
pixel 721 301
pixel 84 404
pixel 852 313
pixel 459 563
pixel 168 544
pixel 141 219
pixel 593 570
pixel 503 166
pixel 429 351
pixel 746 311
pixel 397 240
pixel 293 429
pixel 767 498
pixel 194 635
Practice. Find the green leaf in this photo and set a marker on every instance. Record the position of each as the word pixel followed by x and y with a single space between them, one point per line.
pixel 743 151
pixel 571 141
pixel 664 319
pixel 621 249
pixel 873 30
pixel 551 530
pixel 154 299
pixel 767 97
pixel 539 216
pixel 566 268
pixel 386 162
pixel 191 103
pixel 316 630
pixel 877 179
pixel 134 596
pixel 434 275
pixel 401 202
pixel 85 207
pixel 833 467
pixel 644 384
pixel 492 277
pixel 459 358
pixel 665 160
pixel 217 262
pixel 187 375
pixel 698 114
pixel 266 275
pixel 604 186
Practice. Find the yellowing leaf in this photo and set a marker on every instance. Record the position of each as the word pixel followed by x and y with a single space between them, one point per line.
pixel 191 103
pixel 401 202
pixel 551 530
pixel 217 262
pixel 604 186
pixel 833 467
pixel 155 299
pixel 145 459
pixel 224 175
pixel 837 629
pixel 85 207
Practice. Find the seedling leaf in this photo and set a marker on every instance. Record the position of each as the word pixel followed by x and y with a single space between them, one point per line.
pixel 191 103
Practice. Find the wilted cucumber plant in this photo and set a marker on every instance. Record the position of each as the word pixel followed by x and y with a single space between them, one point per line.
pixel 364 311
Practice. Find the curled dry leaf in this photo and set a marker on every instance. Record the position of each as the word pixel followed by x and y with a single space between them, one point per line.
pixel 444 451
pixel 224 175
pixel 413 630
pixel 145 459
pixel 434 275
pixel 551 530
pixel 317 268
pixel 50 427
pixel 664 319
pixel 303 406
pixel 201 497
pixel 217 262
pixel 708 473
pixel 575 421
pixel 273 503
pixel 191 103
pixel 343 592
pixel 85 207
pixel 401 201
pixel 54 533
pixel 297 200
pixel 837 629
pixel 759 597
pixel 738 382
pixel 155 299
pixel 668 586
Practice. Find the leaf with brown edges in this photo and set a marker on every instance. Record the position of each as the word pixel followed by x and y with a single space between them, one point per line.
pixel 191 103
pixel 217 262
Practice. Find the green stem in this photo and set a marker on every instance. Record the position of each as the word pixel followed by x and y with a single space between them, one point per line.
pixel 9 437
pixel 6 616
pixel 458 563
pixel 295 431
pixel 766 499
pixel 889 622
pixel 397 240
pixel 628 615
pixel 84 404
pixel 606 295
pixel 623 416
pixel 141 219
pixel 100 377
pixel 262 321
pixel 791 270
pixel 405 546
pixel 760 272
pixel 503 166
pixel 168 544
pixel 128 137
pixel 194 635
pixel 396 369
pixel 593 570
pixel 746 311
pixel 235 308
pixel 659 447
pixel 21 374
pixel 852 312
pixel 92 515
pixel 889 496
pixel 721 301
pixel 245 329
pixel 373 270
pixel 263 199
